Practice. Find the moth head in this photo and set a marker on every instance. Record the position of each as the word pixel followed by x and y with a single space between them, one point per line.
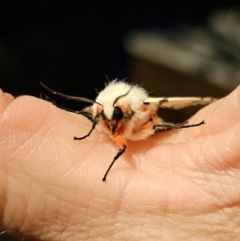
pixel 117 111
pixel 113 114
pixel 113 111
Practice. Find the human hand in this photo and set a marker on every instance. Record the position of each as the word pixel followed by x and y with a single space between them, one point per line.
pixel 177 185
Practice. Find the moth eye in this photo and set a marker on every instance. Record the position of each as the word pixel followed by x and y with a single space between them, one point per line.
pixel 117 113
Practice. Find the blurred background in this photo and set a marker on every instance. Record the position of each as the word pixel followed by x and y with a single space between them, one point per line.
pixel 174 48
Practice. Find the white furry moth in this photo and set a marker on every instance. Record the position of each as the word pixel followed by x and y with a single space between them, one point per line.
pixel 126 112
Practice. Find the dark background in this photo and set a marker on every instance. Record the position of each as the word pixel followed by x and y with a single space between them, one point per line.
pixel 73 45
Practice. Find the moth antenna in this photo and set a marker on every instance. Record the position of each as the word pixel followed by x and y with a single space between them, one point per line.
pixel 81 112
pixel 121 96
pixel 120 152
pixel 77 98
pixel 95 122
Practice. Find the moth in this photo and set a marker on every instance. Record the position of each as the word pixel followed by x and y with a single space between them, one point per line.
pixel 126 112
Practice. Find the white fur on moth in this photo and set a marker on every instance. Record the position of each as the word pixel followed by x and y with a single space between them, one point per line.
pixel 126 112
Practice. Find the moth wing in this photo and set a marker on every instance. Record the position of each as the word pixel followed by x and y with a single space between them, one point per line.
pixel 178 109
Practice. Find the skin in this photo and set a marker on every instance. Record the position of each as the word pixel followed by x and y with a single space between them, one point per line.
pixel 176 185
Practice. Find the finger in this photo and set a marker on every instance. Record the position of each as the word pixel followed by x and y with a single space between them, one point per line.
pixel 221 114
pixel 5 99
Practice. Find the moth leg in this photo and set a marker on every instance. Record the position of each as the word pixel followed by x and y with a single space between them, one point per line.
pixel 121 141
pixel 169 126
pixel 120 152
pixel 95 122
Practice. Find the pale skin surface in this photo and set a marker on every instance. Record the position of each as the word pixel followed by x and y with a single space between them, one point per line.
pixel 177 185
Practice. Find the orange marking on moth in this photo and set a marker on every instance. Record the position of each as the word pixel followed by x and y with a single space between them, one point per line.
pixel 125 108
pixel 143 108
pixel 148 129
pixel 120 140
pixel 145 126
